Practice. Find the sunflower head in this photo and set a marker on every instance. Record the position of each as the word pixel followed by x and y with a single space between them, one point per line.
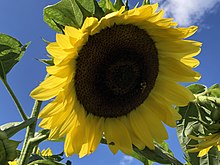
pixel 117 78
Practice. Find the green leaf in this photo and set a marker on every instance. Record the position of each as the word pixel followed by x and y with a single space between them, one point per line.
pixel 3 154
pixel 107 6
pixel 197 120
pixel 118 4
pixel 159 155
pixel 214 91
pixel 51 159
pixel 64 13
pixel 10 147
pixel 99 13
pixel 11 51
pixel 141 158
pixel 197 88
pixel 88 5
pixel 45 162
pixel 12 128
pixel 3 135
pixel 71 13
pixel 2 71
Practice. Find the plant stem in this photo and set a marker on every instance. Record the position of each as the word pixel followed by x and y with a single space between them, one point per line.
pixel 20 109
pixel 27 146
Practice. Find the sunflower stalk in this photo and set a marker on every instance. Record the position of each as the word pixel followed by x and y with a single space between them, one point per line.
pixel 28 142
pixel 17 103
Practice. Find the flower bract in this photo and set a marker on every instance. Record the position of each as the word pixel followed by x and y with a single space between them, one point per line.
pixel 207 142
pixel 117 78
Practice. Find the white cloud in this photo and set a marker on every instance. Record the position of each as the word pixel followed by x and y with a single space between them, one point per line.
pixel 126 160
pixel 188 12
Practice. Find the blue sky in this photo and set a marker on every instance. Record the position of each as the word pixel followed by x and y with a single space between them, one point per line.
pixel 23 20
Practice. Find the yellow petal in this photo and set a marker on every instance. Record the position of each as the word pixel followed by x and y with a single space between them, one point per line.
pixel 155 126
pixel 204 151
pixel 94 131
pixel 189 31
pixel 175 76
pixel 191 62
pixel 156 16
pixel 75 139
pixel 51 109
pixel 61 71
pixel 173 92
pixel 65 42
pixel 43 94
pixel 53 82
pixel 56 51
pixel 113 148
pixel 73 32
pixel 186 47
pixel 134 138
pixel 141 128
pixel 218 146
pixel 161 109
pixel 89 24
pixel 46 123
pixel 116 132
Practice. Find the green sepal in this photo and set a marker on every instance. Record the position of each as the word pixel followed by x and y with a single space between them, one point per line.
pixel 49 62
pixel 118 4
pixel 145 2
pixel 11 51
pixel 12 128
pixel 107 6
pixel 126 5
pixel 62 139
pixel 136 5
pixel 45 41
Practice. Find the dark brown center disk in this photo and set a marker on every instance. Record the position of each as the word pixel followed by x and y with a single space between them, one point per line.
pixel 116 70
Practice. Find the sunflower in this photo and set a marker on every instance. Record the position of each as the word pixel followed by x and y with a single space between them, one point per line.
pixel 208 142
pixel 117 78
